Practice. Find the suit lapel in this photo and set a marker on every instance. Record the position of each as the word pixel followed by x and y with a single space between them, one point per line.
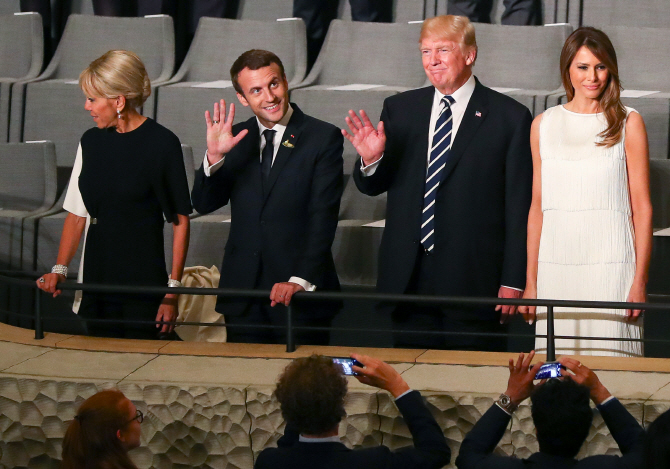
pixel 474 115
pixel 421 119
pixel 250 153
pixel 286 147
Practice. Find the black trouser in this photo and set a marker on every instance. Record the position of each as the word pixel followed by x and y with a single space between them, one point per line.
pixel 318 14
pixel 517 12
pixel 260 312
pixel 428 318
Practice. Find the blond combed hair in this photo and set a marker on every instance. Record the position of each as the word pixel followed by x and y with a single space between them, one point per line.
pixel 117 73
pixel 454 28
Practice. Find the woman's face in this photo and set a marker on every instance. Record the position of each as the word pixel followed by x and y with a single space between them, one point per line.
pixel 130 435
pixel 103 111
pixel 588 74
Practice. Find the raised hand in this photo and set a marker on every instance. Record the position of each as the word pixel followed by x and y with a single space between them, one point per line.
pixel 368 141
pixel 220 139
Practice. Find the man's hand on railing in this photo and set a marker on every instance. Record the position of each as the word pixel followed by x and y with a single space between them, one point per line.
pixel 507 311
pixel 283 292
pixel 49 282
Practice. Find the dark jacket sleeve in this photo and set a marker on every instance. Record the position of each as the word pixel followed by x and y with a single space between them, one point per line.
pixel 430 447
pixel 322 209
pixel 626 431
pixel 477 447
pixel 213 192
pixel 380 181
pixel 518 194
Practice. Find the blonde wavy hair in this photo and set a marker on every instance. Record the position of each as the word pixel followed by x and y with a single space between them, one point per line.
pixel 454 28
pixel 117 73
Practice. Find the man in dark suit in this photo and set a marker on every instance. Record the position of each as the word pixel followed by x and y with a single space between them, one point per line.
pixel 281 171
pixel 311 391
pixel 457 208
pixel 562 417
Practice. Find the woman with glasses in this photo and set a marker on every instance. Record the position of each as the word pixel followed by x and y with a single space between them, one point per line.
pixel 106 427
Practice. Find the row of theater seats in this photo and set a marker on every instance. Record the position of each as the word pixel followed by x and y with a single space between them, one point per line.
pixel 30 228
pixel 519 61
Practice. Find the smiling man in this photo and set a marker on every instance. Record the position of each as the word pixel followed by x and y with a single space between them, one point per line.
pixel 455 160
pixel 281 172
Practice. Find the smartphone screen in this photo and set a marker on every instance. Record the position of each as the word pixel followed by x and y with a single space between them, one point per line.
pixel 549 370
pixel 346 364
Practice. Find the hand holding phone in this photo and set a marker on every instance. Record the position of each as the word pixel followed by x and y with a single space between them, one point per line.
pixel 549 370
pixel 346 365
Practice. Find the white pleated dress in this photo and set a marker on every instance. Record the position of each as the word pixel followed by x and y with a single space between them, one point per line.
pixel 587 249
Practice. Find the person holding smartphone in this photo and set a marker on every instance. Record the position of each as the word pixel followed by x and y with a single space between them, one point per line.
pixel 311 391
pixel 562 417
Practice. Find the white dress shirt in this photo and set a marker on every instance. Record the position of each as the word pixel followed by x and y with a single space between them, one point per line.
pixel 461 100
pixel 279 128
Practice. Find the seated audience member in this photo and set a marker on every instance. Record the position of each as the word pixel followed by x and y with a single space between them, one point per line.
pixel 562 418
pixel 311 392
pixel 106 427
pixel 657 443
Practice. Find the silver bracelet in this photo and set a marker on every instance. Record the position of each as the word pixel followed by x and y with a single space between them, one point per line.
pixel 59 269
pixel 172 283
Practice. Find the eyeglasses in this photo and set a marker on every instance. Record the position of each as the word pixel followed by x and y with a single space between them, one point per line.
pixel 139 416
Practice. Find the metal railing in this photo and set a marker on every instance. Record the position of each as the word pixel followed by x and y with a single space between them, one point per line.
pixel 10 278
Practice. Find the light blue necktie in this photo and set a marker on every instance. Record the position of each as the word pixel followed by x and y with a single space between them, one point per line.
pixel 439 152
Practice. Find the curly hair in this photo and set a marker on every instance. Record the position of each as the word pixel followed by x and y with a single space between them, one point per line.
pixel 311 392
pixel 562 416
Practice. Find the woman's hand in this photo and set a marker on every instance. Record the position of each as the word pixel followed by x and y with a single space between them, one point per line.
pixel 529 312
pixel 637 294
pixel 50 282
pixel 167 312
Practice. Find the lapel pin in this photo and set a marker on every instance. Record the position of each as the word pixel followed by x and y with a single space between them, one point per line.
pixel 478 114
pixel 287 144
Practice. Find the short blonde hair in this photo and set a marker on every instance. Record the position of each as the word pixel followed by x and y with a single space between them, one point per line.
pixel 117 73
pixel 451 27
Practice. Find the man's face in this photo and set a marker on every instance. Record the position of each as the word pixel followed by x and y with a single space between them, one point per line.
pixel 265 91
pixel 448 64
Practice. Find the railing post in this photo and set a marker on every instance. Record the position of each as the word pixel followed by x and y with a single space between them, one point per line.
pixel 551 349
pixel 39 333
pixel 290 343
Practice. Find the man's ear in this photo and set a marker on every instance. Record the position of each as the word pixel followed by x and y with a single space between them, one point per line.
pixel 242 100
pixel 119 435
pixel 470 59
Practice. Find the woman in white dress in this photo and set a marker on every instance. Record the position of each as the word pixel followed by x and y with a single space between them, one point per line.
pixel 589 225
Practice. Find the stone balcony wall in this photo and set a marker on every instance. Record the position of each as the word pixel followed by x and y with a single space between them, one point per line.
pixel 213 407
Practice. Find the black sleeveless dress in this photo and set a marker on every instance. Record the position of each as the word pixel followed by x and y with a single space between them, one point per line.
pixel 130 184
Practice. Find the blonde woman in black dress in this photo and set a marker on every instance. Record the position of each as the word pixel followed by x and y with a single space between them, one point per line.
pixel 128 177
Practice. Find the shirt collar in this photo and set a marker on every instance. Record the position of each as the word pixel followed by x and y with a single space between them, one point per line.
pixel 327 439
pixel 461 95
pixel 279 126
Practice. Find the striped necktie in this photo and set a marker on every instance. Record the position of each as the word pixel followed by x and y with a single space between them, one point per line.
pixel 439 152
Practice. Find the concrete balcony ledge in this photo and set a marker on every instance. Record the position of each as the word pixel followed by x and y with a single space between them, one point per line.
pixel 211 405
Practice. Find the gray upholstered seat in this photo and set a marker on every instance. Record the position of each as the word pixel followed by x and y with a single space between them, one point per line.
pixel 640 13
pixel 21 56
pixel 27 188
pixel 521 61
pixel 7 7
pixel 209 234
pixel 347 75
pixel 262 10
pixel 54 105
pixel 204 77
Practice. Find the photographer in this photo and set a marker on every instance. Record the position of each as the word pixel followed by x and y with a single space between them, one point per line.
pixel 562 418
pixel 311 392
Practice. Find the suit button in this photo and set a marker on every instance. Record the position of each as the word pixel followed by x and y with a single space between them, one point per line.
pixel 255 253
pixel 262 222
pixel 415 241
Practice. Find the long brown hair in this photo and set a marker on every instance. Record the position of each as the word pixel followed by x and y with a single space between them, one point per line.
pixel 90 441
pixel 610 99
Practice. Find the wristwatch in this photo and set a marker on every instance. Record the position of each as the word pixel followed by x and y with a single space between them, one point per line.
pixel 506 404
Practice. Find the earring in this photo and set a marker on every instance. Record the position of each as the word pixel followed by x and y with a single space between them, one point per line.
pixel 118 113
